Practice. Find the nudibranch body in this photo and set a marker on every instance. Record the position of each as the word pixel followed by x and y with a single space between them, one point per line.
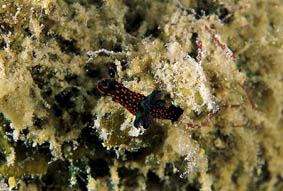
pixel 128 99
pixel 144 107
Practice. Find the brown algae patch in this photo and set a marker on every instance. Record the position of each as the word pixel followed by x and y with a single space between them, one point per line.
pixel 219 61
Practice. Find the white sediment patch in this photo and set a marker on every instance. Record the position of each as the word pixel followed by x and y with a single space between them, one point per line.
pixel 184 78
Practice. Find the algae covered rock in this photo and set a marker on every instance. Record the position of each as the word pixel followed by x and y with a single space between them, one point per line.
pixel 218 61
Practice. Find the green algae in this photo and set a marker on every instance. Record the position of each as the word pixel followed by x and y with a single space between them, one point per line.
pixel 58 133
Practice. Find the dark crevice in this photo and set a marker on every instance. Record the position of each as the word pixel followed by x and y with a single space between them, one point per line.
pixel 5 28
pixel 59 180
pixel 57 111
pixel 99 168
pixel 108 44
pixel 67 98
pixel 128 177
pixel 133 22
pixel 140 154
pixel 153 182
pixel 124 63
pixel 265 174
pixel 93 71
pixel 72 79
pixel 195 186
pixel 2 44
pixel 67 46
pixel 194 51
pixel 81 175
pixel 135 16
pixel 225 16
pixel 97 3
pixel 209 7
pixel 28 32
pixel 153 32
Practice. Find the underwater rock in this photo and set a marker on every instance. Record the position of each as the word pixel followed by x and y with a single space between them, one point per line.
pixel 218 61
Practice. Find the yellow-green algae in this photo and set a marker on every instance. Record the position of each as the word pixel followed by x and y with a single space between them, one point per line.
pixel 58 133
